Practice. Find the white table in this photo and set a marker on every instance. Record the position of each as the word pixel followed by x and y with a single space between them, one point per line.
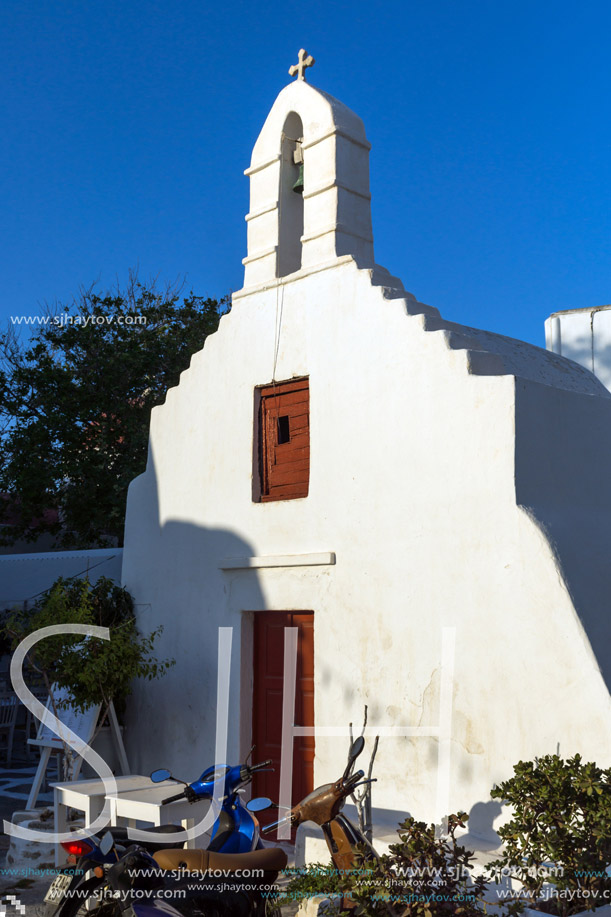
pixel 145 805
pixel 88 796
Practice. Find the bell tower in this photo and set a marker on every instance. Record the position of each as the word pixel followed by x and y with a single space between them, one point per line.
pixel 309 186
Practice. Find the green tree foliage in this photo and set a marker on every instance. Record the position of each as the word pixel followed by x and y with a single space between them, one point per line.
pixel 75 405
pixel 90 670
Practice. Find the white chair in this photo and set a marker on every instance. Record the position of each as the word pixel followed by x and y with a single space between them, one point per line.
pixel 8 717
pixel 31 723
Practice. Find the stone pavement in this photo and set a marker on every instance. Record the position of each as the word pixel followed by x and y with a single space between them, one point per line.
pixel 15 783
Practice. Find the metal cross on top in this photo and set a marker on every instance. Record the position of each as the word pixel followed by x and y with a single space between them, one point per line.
pixel 301 66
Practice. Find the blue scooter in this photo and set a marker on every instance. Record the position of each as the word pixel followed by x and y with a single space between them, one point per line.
pixel 236 830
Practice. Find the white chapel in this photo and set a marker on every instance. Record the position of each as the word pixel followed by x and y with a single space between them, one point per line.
pixel 415 501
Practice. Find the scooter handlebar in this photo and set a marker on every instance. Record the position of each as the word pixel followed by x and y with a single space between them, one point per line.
pixel 275 824
pixel 247 771
pixel 192 795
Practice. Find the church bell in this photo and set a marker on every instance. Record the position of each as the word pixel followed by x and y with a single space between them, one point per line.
pixel 298 186
pixel 298 160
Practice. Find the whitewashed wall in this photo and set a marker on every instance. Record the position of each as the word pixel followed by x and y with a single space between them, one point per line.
pixel 448 476
pixel 24 576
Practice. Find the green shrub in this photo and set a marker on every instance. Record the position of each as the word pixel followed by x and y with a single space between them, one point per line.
pixel 423 876
pixel 310 881
pixel 560 832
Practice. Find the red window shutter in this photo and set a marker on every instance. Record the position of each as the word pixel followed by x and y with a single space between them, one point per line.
pixel 284 430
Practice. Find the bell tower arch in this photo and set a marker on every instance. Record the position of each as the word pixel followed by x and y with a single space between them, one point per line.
pixel 291 230
pixel 290 197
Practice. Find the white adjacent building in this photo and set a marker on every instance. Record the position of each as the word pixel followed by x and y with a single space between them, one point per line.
pixel 583 335
pixel 415 497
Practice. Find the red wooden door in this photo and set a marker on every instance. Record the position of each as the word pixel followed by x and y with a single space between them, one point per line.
pixel 267 702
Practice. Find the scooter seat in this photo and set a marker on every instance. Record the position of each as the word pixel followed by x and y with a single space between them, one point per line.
pixel 270 859
pixel 153 829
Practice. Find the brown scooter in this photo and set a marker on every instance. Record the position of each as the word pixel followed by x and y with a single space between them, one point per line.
pixel 323 806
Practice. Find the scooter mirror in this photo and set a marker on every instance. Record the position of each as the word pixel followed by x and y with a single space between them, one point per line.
pixel 258 804
pixel 355 749
pixel 160 775
pixel 107 843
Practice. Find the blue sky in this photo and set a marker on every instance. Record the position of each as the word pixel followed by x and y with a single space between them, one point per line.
pixel 126 127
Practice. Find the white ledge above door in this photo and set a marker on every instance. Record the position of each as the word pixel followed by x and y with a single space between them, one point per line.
pixel 324 558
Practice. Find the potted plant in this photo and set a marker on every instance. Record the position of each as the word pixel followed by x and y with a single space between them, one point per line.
pixel 558 842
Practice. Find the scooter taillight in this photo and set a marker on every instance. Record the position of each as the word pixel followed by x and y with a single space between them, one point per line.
pixel 77 848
